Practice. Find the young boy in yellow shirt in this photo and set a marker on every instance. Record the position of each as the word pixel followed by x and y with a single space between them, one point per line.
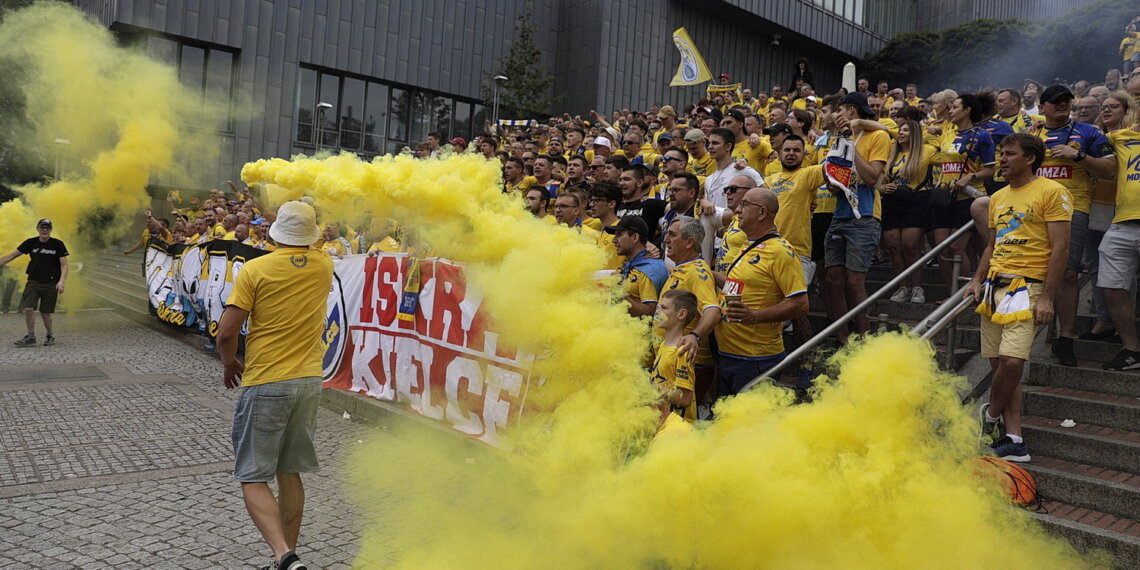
pixel 672 372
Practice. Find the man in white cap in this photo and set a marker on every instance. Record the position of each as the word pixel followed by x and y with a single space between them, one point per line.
pixel 47 273
pixel 283 294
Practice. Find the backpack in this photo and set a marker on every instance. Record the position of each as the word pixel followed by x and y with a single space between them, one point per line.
pixel 1019 483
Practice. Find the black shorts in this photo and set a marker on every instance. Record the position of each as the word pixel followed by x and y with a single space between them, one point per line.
pixel 910 212
pixel 39 293
pixel 953 217
pixel 819 223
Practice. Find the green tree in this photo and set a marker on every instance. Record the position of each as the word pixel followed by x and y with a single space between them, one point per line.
pixel 527 92
pixel 20 161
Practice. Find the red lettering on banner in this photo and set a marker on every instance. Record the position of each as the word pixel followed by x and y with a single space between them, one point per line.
pixel 446 321
pixel 953 167
pixel 382 284
pixel 1060 172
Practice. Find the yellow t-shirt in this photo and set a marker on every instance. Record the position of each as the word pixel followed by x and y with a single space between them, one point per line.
pixel 696 277
pixel 731 242
pixel 824 199
pixel 703 166
pixel 896 171
pixel 606 242
pixel 765 275
pixel 1021 121
pixel 757 157
pixel 218 232
pixel 891 125
pixel 1126 143
pixel 232 236
pixel 523 185
pixel 796 191
pixel 1071 174
pixel 285 293
pixel 799 103
pixel 1128 46
pixel 592 223
pixel 873 146
pixel 387 245
pixel 638 286
pixel 961 153
pixel 671 370
pixel 1018 217
pixel 673 426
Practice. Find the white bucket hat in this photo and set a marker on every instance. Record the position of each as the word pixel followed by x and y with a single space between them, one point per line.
pixel 296 224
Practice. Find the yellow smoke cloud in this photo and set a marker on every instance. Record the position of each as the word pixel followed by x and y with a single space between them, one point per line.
pixel 870 476
pixel 120 110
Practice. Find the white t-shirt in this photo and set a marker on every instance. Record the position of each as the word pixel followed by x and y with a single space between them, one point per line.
pixel 715 183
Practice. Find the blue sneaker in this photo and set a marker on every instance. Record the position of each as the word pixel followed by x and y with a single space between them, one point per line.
pixel 1006 449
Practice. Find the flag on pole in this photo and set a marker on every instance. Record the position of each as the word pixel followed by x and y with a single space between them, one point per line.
pixel 692 69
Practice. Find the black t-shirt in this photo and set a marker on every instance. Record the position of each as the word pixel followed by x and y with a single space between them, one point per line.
pixel 650 210
pixel 45 255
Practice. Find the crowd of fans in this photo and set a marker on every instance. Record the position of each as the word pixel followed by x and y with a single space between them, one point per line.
pixel 731 198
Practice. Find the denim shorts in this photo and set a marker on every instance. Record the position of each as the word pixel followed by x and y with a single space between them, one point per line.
pixel 851 243
pixel 1078 235
pixel 274 426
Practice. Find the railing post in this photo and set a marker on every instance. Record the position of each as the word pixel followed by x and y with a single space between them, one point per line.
pixel 952 332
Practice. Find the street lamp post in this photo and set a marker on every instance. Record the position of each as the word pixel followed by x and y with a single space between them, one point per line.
pixel 495 113
pixel 321 108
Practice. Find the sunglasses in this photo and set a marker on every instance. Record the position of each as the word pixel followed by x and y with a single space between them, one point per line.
pixel 732 188
pixel 668 158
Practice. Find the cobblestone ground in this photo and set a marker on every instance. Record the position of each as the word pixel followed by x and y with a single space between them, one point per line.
pixel 114 452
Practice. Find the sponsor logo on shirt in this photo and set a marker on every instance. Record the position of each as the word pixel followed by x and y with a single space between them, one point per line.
pixel 1059 172
pixel 953 167
pixel 733 287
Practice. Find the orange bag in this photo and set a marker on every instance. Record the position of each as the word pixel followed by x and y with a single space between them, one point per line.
pixel 1019 483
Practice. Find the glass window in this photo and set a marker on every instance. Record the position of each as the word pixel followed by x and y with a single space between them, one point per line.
pixel 192 68
pixel 479 120
pixel 400 115
pixel 219 85
pixel 461 126
pixel 441 117
pixel 352 109
pixel 375 117
pixel 421 117
pixel 306 94
pixel 163 50
pixel 327 100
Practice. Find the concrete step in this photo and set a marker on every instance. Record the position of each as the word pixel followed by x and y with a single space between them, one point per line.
pixel 1113 492
pixel 1087 376
pixel 122 279
pixel 934 291
pixel 968 336
pixel 122 301
pixel 900 311
pixel 1121 412
pixel 1090 444
pixel 1089 530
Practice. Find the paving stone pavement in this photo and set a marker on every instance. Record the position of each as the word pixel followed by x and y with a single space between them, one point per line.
pixel 115 452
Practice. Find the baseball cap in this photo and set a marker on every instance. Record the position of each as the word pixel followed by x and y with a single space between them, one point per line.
pixel 777 128
pixel 736 115
pixel 695 136
pixel 666 111
pixel 631 224
pixel 457 141
pixel 859 100
pixel 664 137
pixel 1055 92
pixel 44 222
pixel 724 76
pixel 603 141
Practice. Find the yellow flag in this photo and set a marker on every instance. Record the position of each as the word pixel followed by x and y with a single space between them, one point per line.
pixel 692 69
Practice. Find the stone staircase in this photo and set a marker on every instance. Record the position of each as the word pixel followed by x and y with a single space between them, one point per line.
pixel 1088 475
pixel 117 281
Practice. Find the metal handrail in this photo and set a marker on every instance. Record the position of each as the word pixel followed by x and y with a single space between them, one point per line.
pixel 941 317
pixel 870 300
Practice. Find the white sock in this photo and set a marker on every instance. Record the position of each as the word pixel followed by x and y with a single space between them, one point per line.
pixel 1015 438
pixel 990 419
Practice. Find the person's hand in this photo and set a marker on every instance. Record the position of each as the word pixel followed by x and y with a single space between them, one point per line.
pixel 59 287
pixel 707 208
pixel 973 290
pixel 1063 151
pixel 963 181
pixel 843 125
pixel 1043 310
pixel 148 213
pixel 687 347
pixel 126 252
pixel 737 312
pixel 753 140
pixel 934 130
pixel 741 163
pixel 888 188
pixel 652 251
pixel 232 373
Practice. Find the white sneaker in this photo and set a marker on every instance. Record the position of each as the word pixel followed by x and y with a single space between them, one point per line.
pixel 917 295
pixel 901 295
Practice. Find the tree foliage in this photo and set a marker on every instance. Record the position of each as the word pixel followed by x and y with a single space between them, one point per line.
pixel 20 161
pixel 1000 53
pixel 527 92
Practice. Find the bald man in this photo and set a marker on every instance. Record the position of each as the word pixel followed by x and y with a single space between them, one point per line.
pixel 763 288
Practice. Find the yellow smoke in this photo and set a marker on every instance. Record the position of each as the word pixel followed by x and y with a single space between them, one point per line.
pixel 870 476
pixel 120 111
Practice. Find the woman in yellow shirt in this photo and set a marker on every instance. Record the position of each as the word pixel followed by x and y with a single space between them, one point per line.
pixel 939 120
pixel 906 212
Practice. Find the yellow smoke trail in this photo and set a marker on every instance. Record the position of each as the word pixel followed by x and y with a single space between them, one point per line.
pixel 120 110
pixel 870 476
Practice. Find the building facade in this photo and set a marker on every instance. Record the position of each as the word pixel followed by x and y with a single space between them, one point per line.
pixel 374 76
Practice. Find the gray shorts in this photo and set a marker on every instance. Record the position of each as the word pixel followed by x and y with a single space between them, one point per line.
pixel 1119 256
pixel 274 426
pixel 1078 235
pixel 851 243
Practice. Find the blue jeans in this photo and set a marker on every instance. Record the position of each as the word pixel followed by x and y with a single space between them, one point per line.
pixel 733 373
